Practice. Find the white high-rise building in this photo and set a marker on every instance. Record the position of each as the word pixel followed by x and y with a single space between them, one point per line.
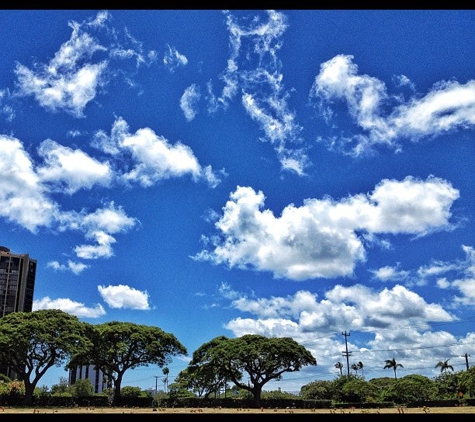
pixel 98 379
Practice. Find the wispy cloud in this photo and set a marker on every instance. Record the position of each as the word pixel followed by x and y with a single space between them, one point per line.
pixel 387 119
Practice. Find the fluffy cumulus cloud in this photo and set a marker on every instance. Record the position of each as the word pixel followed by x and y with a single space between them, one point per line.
pixel 322 238
pixel 319 323
pixel 152 157
pixel 357 306
pixel 447 107
pixel 124 297
pixel 69 170
pixel 69 306
pixel 23 198
pixel 26 196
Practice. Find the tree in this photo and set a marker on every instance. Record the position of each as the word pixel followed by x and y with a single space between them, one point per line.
pixel 251 361
pixel 382 385
pixel 357 390
pixel 317 390
pixel 82 388
pixel 360 366
pixel 201 380
pixel 33 342
pixel 62 388
pixel 391 363
pixel 165 372
pixel 411 389
pixel 119 346
pixel 444 366
pixel 339 366
pixel 466 381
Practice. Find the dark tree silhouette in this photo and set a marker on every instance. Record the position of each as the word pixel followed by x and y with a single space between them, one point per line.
pixel 391 363
pixel 444 366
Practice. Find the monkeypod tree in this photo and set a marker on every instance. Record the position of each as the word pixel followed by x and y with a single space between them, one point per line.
pixel 33 342
pixel 120 346
pixel 250 361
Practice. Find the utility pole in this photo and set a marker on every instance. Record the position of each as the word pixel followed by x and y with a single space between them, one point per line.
pixel 466 359
pixel 156 384
pixel 346 352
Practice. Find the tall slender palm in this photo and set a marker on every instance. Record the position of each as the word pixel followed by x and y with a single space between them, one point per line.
pixel 339 366
pixel 444 366
pixel 355 368
pixel 391 363
pixel 360 366
pixel 165 371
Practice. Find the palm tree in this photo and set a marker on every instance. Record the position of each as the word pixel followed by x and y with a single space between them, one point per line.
pixel 355 368
pixel 360 366
pixel 165 371
pixel 339 366
pixel 391 363
pixel 444 366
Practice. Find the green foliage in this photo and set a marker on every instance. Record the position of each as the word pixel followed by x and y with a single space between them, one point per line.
pixel 278 395
pixel 61 387
pixel 411 389
pixel 447 386
pixel 131 392
pixel 4 378
pixel 357 390
pixel 177 390
pixel 82 388
pixel 317 390
pixel 381 385
pixel 120 346
pixel 33 342
pixel 249 361
pixel 466 382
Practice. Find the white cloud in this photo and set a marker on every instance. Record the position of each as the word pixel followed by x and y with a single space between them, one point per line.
pixel 66 83
pixel 69 306
pixel 386 317
pixel 74 267
pixel 320 238
pixel 124 297
pixel 254 69
pixel 448 106
pixel 155 158
pixel 70 170
pixel 188 100
pixel 173 59
pixel 23 200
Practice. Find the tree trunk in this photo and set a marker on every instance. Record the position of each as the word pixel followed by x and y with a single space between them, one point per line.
pixel 29 390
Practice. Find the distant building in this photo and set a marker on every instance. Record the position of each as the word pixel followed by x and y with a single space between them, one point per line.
pixel 17 285
pixel 98 379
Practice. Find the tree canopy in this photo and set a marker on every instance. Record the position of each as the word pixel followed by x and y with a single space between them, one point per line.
pixel 249 361
pixel 120 346
pixel 33 342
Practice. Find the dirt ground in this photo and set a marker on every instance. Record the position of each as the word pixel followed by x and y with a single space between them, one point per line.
pixel 119 410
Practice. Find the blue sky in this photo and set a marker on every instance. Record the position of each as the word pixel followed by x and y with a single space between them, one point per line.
pixel 301 173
